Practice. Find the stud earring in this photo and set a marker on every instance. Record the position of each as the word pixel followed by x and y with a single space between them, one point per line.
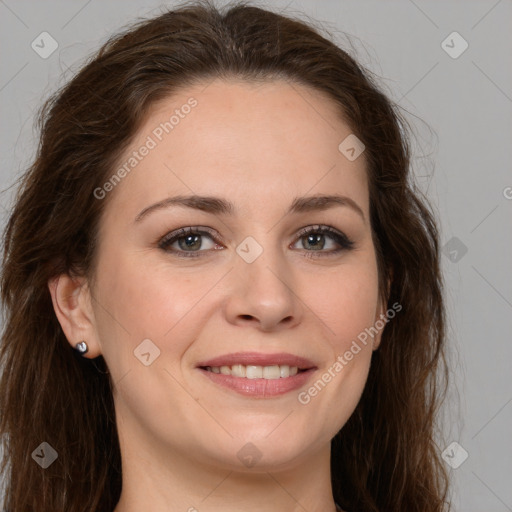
pixel 81 347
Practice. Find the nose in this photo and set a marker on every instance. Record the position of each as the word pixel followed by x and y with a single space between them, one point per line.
pixel 263 293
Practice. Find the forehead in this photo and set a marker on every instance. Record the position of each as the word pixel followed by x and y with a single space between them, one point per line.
pixel 243 140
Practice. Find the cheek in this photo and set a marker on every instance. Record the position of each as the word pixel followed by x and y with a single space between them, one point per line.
pixel 137 301
pixel 347 307
pixel 346 302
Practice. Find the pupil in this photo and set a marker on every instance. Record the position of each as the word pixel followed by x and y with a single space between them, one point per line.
pixel 314 239
pixel 190 241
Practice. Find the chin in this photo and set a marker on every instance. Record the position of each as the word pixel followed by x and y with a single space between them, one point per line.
pixel 264 453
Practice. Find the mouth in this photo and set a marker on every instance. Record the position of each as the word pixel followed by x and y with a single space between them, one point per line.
pixel 258 375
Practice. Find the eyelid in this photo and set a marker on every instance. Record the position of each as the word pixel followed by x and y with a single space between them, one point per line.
pixel 201 230
pixel 339 236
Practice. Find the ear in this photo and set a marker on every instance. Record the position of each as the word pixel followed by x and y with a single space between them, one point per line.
pixel 72 304
pixel 381 314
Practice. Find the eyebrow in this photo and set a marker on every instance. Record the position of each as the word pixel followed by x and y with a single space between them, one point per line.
pixel 218 206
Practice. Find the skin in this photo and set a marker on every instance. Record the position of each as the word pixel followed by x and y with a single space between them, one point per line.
pixel 259 146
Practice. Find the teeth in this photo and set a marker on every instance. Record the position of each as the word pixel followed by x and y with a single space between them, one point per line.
pixel 238 370
pixel 271 372
pixel 256 372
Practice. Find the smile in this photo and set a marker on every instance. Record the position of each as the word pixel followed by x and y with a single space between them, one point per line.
pixel 256 372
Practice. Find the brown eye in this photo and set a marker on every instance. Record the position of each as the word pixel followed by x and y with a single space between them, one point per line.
pixel 318 238
pixel 188 242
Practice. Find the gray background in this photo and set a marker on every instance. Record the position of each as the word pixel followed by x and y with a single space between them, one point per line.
pixel 461 109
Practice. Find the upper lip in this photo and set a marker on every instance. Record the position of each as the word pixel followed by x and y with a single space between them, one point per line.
pixel 259 359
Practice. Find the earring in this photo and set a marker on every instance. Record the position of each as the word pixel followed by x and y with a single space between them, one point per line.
pixel 81 347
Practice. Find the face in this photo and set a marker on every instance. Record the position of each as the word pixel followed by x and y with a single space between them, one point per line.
pixel 261 277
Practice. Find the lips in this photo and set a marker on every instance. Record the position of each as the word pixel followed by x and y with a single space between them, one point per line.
pixel 258 359
pixel 265 376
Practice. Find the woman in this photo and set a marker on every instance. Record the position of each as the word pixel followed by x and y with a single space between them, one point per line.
pixel 221 291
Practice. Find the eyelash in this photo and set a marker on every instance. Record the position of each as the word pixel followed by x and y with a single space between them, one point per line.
pixel 340 238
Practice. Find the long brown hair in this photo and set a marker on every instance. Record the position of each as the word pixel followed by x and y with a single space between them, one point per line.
pixel 385 458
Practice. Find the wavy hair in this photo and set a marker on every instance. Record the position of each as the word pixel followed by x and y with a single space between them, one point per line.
pixel 385 458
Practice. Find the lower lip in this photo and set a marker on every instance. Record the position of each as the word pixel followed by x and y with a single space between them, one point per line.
pixel 260 388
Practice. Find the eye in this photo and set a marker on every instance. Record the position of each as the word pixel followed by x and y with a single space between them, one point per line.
pixel 188 242
pixel 313 239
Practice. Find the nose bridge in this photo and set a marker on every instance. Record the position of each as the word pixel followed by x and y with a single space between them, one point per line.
pixel 263 287
pixel 263 261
